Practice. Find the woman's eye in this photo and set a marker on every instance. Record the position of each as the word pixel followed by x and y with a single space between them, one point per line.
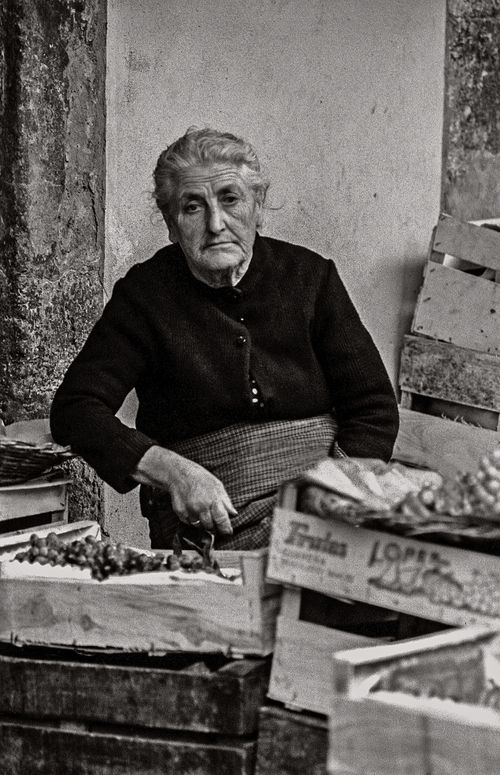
pixel 230 199
pixel 191 207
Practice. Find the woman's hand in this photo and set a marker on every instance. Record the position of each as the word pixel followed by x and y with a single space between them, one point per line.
pixel 196 494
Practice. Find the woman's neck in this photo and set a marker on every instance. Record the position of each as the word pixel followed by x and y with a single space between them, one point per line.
pixel 223 278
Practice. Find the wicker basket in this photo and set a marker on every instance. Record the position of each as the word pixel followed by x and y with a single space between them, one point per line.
pixel 23 460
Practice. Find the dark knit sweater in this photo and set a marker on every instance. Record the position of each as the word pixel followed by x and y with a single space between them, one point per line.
pixel 189 351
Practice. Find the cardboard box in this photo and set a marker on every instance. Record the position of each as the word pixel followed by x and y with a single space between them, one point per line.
pixel 432 581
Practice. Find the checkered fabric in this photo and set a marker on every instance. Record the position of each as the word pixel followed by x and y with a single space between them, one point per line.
pixel 251 460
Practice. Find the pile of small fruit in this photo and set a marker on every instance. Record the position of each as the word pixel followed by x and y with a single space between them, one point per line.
pixel 103 558
pixel 465 495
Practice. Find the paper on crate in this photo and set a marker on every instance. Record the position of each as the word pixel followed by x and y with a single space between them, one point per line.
pixel 373 483
pixel 32 431
pixel 11 568
pixel 14 569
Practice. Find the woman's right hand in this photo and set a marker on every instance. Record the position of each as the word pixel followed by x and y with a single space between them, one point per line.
pixel 196 494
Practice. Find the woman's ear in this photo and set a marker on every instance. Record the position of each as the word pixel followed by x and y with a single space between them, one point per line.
pixel 172 228
pixel 259 215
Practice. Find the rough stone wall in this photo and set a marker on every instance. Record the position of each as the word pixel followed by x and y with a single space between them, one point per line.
pixel 471 174
pixel 52 140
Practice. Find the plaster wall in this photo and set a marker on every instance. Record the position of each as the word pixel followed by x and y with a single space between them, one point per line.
pixel 343 100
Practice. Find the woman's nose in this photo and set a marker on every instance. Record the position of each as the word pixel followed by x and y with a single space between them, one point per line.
pixel 215 219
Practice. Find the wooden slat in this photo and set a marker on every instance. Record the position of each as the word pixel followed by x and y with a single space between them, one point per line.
pixel 291 743
pixel 225 618
pixel 441 370
pixel 302 669
pixel 46 751
pixel 370 737
pixel 205 618
pixel 26 501
pixel 468 241
pixel 458 308
pixel 447 664
pixel 290 603
pixel 462 749
pixel 441 445
pixel 443 583
pixel 375 741
pixel 191 699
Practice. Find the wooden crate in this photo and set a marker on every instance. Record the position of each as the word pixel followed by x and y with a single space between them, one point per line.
pixel 433 581
pixel 451 380
pixel 291 743
pixel 454 306
pixel 387 731
pixel 47 751
pixel 67 713
pixel 449 374
pixel 449 664
pixel 441 444
pixel 228 618
pixel 474 244
pixel 302 660
pixel 370 737
pixel 21 504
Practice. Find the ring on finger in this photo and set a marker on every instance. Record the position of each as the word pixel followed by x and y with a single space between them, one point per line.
pixel 196 523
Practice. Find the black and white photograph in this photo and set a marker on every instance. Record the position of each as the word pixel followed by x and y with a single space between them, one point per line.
pixel 249 387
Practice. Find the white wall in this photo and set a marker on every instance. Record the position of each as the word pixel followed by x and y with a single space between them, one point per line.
pixel 343 101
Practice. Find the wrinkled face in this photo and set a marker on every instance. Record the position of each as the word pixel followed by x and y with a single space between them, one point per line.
pixel 214 220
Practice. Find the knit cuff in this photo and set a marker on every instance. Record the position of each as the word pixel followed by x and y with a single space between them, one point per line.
pixel 122 459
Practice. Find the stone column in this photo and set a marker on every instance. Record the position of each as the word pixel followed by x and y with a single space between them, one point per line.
pixel 471 174
pixel 52 144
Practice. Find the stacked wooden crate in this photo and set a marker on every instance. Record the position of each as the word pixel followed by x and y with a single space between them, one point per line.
pixel 31 493
pixel 310 627
pixel 64 713
pixel 30 504
pixel 450 364
pixel 125 677
pixel 291 743
pixel 423 707
pixel 293 735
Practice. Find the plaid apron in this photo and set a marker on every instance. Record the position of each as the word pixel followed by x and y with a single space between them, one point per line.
pixel 251 460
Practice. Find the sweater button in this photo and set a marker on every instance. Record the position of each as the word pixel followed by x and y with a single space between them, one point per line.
pixel 241 341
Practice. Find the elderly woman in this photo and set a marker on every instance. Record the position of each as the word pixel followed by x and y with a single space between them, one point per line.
pixel 247 355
